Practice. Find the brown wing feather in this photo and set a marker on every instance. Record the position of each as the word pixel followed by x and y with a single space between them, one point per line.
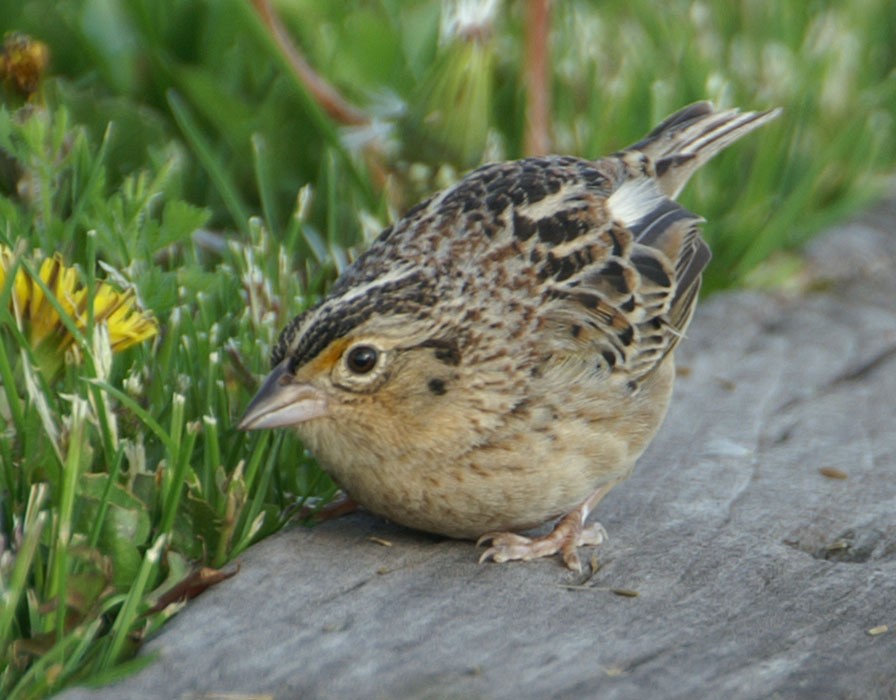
pixel 686 140
pixel 630 309
pixel 633 306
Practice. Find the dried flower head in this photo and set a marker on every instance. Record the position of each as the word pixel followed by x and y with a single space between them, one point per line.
pixel 23 61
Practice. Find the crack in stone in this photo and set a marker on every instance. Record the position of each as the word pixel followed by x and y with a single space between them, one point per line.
pixel 859 371
pixel 764 414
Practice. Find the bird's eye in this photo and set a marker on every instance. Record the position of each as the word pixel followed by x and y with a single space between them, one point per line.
pixel 362 359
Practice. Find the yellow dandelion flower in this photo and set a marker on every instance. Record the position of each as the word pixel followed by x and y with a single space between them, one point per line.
pixel 39 319
pixel 7 261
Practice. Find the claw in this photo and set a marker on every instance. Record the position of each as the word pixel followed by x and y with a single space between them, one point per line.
pixel 485 538
pixel 571 559
pixel 594 534
pixel 503 538
pixel 568 535
pixel 565 538
pixel 507 546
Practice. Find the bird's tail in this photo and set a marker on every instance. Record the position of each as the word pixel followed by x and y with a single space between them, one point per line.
pixel 690 137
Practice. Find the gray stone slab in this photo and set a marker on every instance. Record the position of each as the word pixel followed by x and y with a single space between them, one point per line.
pixel 756 575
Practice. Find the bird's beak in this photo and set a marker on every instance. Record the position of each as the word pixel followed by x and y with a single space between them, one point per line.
pixel 281 401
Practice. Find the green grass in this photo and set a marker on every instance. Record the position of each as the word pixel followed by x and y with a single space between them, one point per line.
pixel 171 150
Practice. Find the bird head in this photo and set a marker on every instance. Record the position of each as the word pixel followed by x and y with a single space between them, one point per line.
pixel 377 372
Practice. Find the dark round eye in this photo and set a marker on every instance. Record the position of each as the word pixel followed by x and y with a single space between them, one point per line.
pixel 362 359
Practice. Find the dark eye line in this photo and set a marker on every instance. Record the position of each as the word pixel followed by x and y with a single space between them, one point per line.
pixel 446 349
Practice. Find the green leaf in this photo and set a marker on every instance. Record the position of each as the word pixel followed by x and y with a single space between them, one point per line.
pixel 179 221
pixel 125 529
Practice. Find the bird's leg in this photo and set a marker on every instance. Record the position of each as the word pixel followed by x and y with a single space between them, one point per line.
pixel 568 535
pixel 341 504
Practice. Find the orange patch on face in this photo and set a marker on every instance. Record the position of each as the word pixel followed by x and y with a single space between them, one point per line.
pixel 327 359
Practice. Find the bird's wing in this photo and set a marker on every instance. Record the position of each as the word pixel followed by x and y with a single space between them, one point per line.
pixel 620 295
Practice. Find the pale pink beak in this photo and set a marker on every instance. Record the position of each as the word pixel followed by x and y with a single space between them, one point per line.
pixel 281 401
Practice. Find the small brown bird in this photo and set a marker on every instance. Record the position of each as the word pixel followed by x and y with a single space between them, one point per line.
pixel 502 355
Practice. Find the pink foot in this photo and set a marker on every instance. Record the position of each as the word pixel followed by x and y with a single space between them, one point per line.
pixel 568 535
pixel 507 546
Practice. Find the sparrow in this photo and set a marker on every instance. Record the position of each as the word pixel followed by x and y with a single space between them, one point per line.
pixel 501 356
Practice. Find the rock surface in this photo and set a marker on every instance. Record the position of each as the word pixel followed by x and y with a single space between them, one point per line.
pixel 751 555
